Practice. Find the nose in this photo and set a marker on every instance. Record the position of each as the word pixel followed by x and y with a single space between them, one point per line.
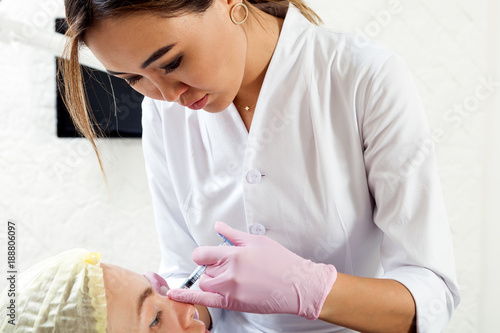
pixel 172 92
pixel 163 89
pixel 185 312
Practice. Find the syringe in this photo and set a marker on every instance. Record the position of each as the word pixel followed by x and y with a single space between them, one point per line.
pixel 191 280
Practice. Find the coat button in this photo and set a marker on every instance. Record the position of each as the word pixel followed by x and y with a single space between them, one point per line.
pixel 253 176
pixel 257 229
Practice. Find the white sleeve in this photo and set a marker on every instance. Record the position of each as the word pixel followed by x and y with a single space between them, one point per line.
pixel 176 243
pixel 416 249
pixel 174 238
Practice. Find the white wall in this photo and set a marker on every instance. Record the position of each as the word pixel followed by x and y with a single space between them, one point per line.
pixel 53 188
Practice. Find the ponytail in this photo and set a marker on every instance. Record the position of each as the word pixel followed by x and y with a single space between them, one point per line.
pixel 270 7
pixel 75 97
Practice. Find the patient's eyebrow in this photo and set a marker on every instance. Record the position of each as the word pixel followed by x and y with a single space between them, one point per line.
pixel 145 294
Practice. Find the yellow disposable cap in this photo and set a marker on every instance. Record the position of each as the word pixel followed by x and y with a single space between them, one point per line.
pixel 64 293
pixel 94 258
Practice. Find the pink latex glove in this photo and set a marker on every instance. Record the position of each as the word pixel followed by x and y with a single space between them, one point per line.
pixel 258 275
pixel 161 287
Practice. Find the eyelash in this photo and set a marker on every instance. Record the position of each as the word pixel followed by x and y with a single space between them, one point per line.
pixel 168 69
pixel 157 319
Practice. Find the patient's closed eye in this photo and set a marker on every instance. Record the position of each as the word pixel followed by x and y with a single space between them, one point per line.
pixel 156 321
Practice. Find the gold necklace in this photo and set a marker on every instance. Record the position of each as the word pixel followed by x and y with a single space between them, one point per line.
pixel 247 108
pixel 238 106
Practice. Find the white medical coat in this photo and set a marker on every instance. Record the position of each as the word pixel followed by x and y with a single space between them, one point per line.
pixel 338 167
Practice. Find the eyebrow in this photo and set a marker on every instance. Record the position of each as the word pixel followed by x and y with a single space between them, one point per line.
pixel 157 55
pixel 114 73
pixel 152 58
pixel 145 294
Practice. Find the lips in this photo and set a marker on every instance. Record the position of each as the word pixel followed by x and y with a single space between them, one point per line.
pixel 157 282
pixel 199 104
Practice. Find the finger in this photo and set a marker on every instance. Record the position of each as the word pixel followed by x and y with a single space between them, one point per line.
pixel 197 297
pixel 211 255
pixel 215 269
pixel 215 284
pixel 157 282
pixel 237 237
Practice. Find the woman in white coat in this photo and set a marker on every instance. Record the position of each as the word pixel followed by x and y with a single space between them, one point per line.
pixel 312 146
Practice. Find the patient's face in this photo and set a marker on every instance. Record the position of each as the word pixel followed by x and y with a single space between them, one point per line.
pixel 134 306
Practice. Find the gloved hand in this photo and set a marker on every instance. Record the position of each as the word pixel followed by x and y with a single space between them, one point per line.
pixel 157 282
pixel 258 275
pixel 161 287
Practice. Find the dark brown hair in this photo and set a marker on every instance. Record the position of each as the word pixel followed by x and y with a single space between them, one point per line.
pixel 81 15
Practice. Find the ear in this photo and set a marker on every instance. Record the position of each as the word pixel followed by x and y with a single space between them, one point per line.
pixel 229 3
pixel 232 2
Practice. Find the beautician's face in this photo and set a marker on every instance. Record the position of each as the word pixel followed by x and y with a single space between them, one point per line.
pixel 206 56
pixel 134 306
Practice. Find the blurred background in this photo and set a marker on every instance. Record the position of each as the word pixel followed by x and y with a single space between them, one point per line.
pixel 53 189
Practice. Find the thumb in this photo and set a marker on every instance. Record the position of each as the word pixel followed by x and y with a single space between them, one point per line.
pixel 236 237
pixel 196 297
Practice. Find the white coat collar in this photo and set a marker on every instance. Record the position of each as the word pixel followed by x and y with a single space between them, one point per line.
pixel 219 128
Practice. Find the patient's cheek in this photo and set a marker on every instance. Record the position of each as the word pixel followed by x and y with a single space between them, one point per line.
pixel 119 323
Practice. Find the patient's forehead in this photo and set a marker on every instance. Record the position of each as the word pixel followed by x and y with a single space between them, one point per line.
pixel 118 279
pixel 123 289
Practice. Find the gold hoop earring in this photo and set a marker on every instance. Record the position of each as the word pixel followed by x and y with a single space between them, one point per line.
pixel 232 13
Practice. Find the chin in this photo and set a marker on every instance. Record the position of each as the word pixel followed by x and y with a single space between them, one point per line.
pixel 216 107
pixel 213 111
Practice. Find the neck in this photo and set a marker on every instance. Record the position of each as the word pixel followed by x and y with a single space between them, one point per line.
pixel 262 31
